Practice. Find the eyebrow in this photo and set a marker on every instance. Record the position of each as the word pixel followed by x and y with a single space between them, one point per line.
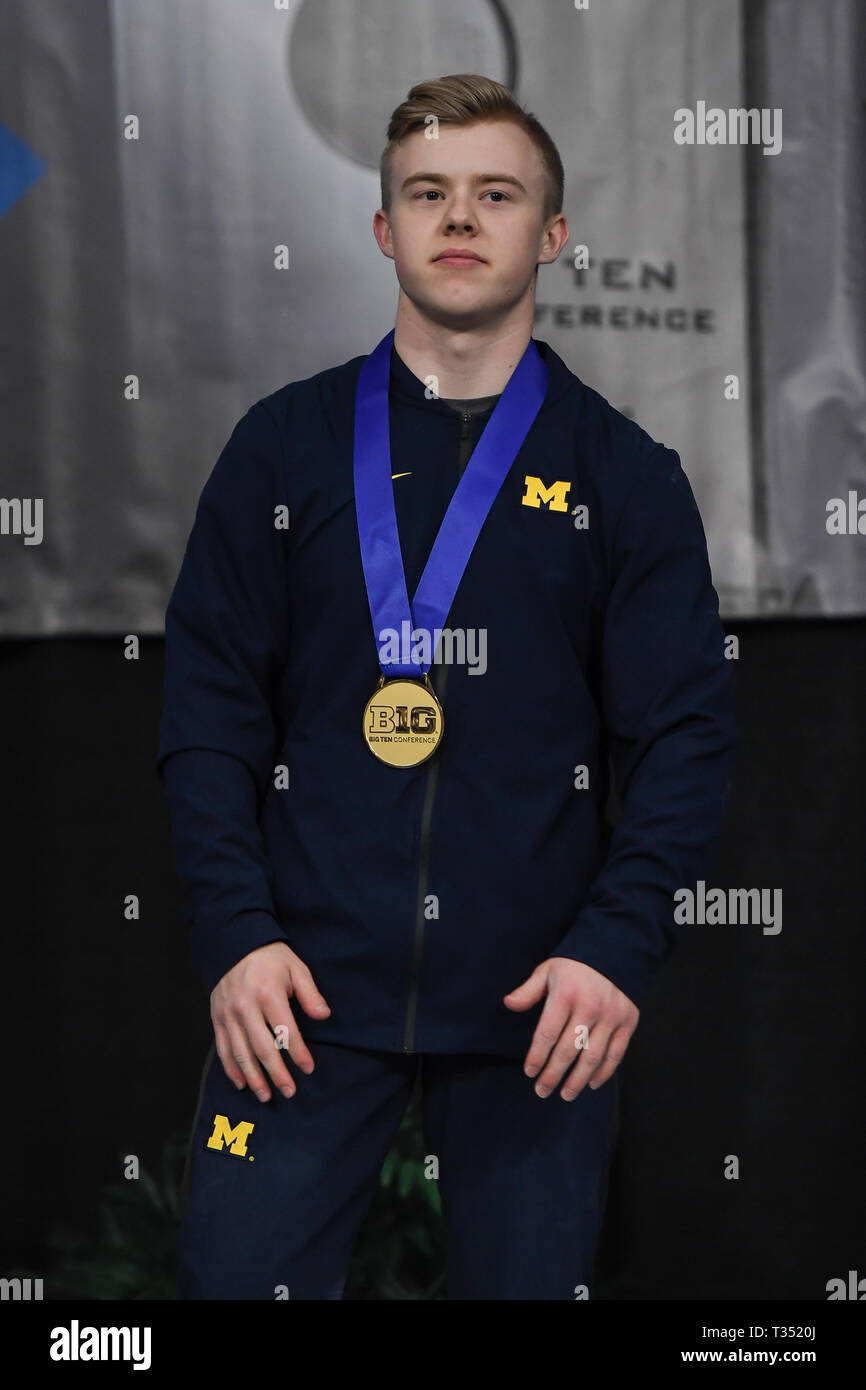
pixel 479 178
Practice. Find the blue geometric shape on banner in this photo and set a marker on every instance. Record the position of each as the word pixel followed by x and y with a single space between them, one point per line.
pixel 19 168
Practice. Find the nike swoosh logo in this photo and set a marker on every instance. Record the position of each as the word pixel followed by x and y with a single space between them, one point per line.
pixel 402 475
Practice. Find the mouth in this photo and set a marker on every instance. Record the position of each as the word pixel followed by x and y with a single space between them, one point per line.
pixel 457 258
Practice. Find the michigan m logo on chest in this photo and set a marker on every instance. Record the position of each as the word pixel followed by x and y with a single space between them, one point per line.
pixel 552 497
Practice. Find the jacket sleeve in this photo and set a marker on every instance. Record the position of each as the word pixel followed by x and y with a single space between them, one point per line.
pixel 226 639
pixel 667 707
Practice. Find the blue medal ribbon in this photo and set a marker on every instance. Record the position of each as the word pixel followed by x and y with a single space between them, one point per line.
pixel 473 497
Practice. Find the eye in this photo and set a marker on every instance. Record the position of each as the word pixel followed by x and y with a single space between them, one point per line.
pixel 427 191
pixel 497 193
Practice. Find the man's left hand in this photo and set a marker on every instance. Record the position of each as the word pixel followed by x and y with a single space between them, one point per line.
pixel 585 1016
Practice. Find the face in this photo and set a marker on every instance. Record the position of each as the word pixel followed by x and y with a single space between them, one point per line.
pixel 465 229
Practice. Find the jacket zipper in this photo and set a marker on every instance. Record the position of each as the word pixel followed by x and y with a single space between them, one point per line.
pixel 423 883
pixel 424 850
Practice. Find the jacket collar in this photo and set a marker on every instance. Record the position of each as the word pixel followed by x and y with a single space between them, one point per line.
pixel 409 388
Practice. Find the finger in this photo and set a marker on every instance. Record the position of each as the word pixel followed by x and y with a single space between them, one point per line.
pixel 553 1018
pixel 563 1055
pixel 287 1039
pixel 244 1054
pixel 592 1057
pixel 269 1056
pixel 530 991
pixel 616 1050
pixel 305 991
pixel 224 1052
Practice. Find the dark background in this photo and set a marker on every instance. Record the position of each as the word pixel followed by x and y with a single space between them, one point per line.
pixel 749 1044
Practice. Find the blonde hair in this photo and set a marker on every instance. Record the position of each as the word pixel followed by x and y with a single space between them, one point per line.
pixel 461 99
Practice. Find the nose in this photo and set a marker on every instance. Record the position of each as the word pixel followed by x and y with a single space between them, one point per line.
pixel 459 215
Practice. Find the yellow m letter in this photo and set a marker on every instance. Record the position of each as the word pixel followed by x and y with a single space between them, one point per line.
pixel 552 497
pixel 236 1138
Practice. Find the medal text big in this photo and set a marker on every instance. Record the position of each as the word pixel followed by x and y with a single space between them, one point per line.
pixel 403 722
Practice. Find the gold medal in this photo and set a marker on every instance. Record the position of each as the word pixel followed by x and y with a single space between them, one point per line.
pixel 403 721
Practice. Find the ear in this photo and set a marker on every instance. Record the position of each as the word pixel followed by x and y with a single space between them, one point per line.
pixel 382 233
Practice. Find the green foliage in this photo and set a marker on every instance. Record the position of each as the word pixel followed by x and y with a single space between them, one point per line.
pixel 132 1253
pixel 399 1254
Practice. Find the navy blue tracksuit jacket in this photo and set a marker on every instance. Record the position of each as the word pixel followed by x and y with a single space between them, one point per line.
pixel 418 897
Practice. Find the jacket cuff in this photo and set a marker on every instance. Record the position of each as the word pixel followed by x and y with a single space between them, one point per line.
pixel 214 947
pixel 630 971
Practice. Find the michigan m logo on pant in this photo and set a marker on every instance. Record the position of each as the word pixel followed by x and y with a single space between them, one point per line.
pixel 234 1139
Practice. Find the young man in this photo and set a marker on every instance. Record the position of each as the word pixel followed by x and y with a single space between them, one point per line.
pixel 419 874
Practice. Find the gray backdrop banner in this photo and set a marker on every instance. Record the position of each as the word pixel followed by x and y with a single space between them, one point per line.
pixel 809 300
pixel 154 154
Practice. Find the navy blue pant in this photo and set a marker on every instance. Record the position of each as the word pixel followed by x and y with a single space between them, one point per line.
pixel 523 1180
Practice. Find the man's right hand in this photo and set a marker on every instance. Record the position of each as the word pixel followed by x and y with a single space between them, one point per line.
pixel 251 1004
